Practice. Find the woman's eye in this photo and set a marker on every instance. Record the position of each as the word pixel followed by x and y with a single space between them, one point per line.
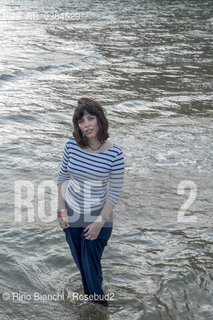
pixel 90 118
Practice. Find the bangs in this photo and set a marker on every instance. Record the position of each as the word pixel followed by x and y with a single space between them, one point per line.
pixel 81 110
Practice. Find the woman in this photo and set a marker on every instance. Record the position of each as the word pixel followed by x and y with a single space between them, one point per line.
pixel 85 204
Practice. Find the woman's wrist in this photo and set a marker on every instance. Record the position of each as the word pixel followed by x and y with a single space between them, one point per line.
pixel 62 211
pixel 100 220
pixel 61 214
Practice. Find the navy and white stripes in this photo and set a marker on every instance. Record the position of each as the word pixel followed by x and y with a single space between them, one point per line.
pixel 87 175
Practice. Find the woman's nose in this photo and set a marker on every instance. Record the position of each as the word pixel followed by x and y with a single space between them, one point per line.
pixel 85 123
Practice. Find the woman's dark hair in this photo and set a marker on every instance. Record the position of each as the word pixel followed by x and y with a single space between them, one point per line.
pixel 93 107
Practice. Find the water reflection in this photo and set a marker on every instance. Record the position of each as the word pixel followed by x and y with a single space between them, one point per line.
pixel 149 63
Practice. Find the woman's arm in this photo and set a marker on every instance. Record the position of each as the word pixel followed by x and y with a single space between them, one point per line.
pixel 61 196
pixel 62 218
pixel 106 211
pixel 116 179
pixel 63 178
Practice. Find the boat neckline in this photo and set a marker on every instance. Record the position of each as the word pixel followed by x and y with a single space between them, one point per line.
pixel 96 152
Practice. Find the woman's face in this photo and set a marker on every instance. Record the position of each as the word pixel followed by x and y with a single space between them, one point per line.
pixel 88 125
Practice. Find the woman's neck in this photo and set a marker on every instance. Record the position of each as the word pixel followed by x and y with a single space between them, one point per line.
pixel 94 143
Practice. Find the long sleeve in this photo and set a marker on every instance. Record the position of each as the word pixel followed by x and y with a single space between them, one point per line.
pixel 64 173
pixel 116 179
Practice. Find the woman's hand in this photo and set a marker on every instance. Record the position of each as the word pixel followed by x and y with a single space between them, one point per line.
pixel 63 222
pixel 93 230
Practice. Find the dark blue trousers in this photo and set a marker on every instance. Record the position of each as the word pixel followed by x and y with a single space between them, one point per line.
pixel 87 255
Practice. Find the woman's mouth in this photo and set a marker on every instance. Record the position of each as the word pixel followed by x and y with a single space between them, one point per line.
pixel 89 131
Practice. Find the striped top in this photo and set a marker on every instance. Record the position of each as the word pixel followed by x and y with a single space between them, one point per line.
pixel 87 175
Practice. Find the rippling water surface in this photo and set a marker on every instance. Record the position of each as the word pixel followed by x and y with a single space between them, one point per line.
pixel 150 65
